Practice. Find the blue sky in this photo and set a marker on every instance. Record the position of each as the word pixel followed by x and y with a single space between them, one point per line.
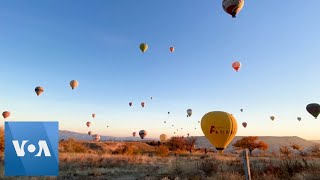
pixel 49 43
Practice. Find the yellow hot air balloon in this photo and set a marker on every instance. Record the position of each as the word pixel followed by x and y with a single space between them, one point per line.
pixel 74 84
pixel 163 137
pixel 219 128
pixel 143 47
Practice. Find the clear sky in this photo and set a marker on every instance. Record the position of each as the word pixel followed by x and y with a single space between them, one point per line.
pixel 49 43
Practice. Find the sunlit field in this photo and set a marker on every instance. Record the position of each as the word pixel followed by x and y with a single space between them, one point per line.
pixel 147 160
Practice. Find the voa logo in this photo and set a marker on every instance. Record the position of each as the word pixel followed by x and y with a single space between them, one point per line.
pixel 31 149
pixel 43 147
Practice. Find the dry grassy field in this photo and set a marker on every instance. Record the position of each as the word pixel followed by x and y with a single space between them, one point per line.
pixel 137 160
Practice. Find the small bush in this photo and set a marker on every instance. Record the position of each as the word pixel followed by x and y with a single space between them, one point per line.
pixel 209 167
pixel 72 146
pixel 163 151
pixel 272 169
pixel 315 149
pixel 1 139
pixel 181 143
pixel 291 167
pixel 124 150
pixel 285 150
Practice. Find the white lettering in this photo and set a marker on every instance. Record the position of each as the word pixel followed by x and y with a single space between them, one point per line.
pixel 43 147
pixel 19 150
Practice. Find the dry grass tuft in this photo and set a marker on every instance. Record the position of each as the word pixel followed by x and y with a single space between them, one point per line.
pixel 1 139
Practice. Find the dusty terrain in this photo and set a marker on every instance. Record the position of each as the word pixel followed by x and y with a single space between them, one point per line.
pixel 137 160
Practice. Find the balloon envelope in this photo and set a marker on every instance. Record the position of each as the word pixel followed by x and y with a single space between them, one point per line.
pixel 163 137
pixel 232 7
pixel 93 115
pixel 142 134
pixel 88 124
pixel 189 112
pixel 171 49
pixel 130 103
pixel 134 134
pixel 74 84
pixel 96 137
pixel 6 114
pixel 244 124
pixel 142 104
pixel 236 65
pixel 219 128
pixel 299 118
pixel 272 118
pixel 143 47
pixel 89 133
pixel 313 109
pixel 39 90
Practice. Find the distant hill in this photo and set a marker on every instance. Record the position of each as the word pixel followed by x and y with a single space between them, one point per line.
pixel 316 141
pixel 63 134
pixel 274 142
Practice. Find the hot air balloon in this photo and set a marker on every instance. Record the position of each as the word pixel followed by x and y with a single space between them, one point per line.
pixel 241 110
pixel 93 115
pixel 88 124
pixel 299 118
pixel 171 49
pixel 89 133
pixel 142 104
pixel 181 128
pixel 134 134
pixel 74 84
pixel 142 134
pixel 168 112
pixel 143 47
pixel 198 121
pixel 39 90
pixel 151 98
pixel 189 112
pixel 172 125
pixel 313 109
pixel 163 137
pixel 244 124
pixel 236 65
pixel 188 134
pixel 272 118
pixel 96 137
pixel 219 128
pixel 232 7
pixel 165 121
pixel 130 103
pixel 174 132
pixel 6 114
